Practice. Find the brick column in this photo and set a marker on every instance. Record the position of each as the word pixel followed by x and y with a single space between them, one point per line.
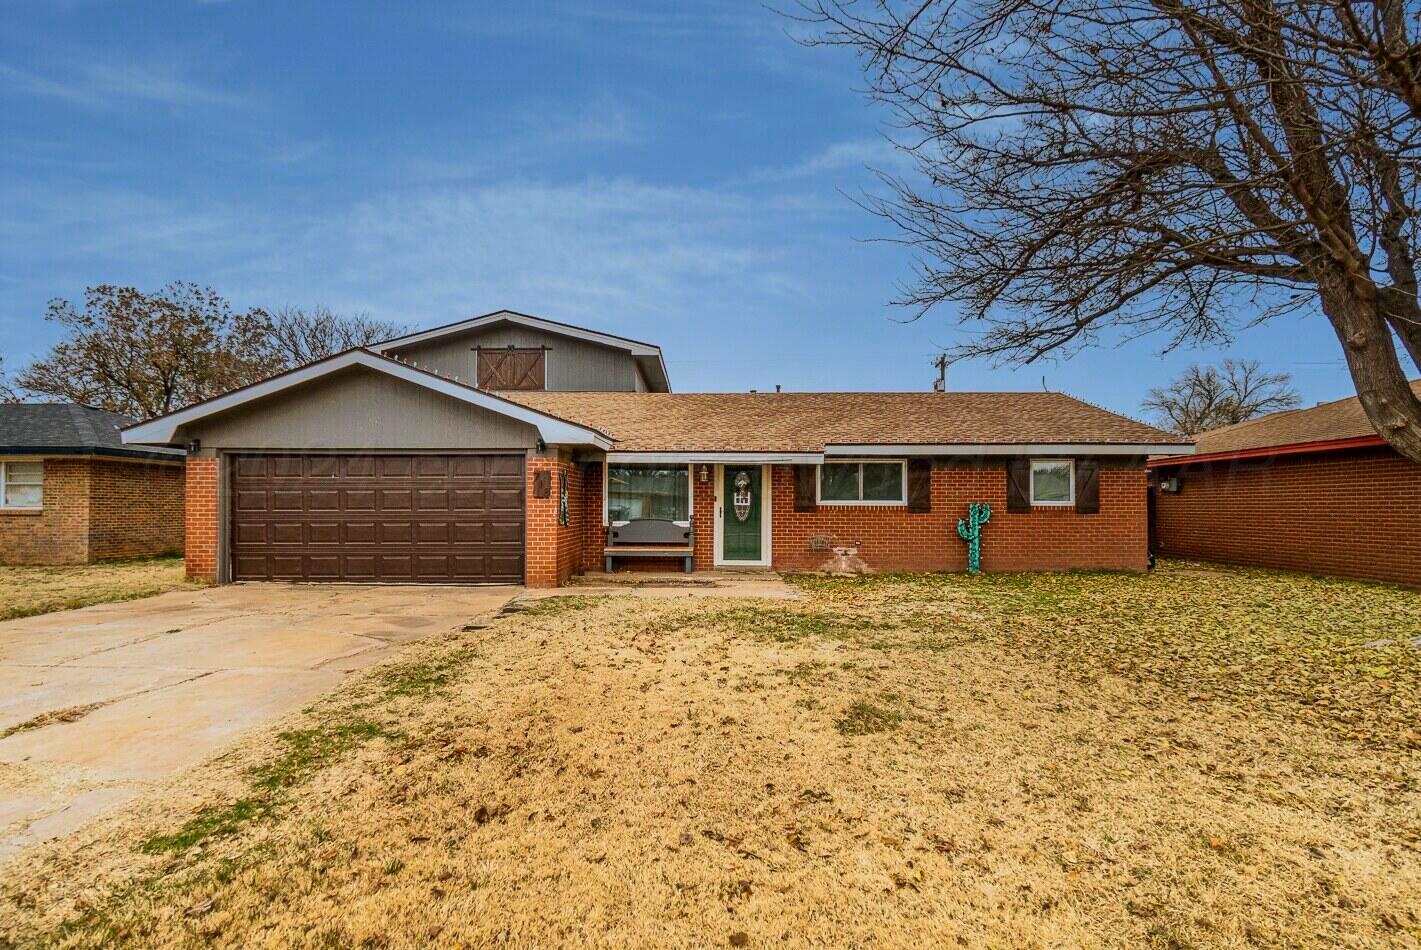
pixel 200 518
pixel 550 549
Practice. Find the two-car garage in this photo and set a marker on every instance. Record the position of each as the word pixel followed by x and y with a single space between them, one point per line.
pixel 377 518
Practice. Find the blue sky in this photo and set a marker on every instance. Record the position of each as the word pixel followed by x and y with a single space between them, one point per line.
pixel 678 173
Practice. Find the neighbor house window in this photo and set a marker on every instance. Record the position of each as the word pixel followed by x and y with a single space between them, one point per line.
pixel 639 491
pixel 861 483
pixel 21 484
pixel 1053 482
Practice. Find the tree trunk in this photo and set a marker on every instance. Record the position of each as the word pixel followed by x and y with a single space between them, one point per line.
pixel 1373 361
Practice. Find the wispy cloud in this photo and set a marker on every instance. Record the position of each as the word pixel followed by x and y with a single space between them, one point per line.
pixel 539 137
pixel 834 160
pixel 619 253
pixel 106 83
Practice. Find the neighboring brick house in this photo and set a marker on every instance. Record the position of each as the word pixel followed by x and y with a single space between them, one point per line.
pixel 513 449
pixel 71 492
pixel 1313 490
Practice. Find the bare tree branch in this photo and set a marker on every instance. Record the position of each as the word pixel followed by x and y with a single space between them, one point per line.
pixel 1098 170
pixel 147 354
pixel 304 336
pixel 1206 398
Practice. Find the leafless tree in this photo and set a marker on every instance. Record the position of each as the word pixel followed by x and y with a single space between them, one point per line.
pixel 304 336
pixel 7 389
pixel 145 354
pixel 1206 397
pixel 1099 169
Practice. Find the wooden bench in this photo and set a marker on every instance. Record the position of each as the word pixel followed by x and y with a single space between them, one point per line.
pixel 651 537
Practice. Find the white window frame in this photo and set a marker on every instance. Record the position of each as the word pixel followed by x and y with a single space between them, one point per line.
pixel 4 480
pixel 1071 470
pixel 861 462
pixel 690 493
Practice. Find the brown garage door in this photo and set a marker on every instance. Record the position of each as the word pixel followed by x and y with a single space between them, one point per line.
pixel 378 518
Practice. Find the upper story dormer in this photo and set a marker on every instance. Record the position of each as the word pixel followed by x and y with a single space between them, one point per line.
pixel 505 350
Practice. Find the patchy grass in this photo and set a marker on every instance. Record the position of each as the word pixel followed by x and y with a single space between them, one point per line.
pixel 53 716
pixel 1050 760
pixel 863 719
pixel 1335 653
pixel 560 604
pixel 27 591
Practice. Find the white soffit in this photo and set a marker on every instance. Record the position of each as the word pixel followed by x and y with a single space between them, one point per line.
pixel 1036 448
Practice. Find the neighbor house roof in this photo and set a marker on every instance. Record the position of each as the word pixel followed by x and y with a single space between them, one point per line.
pixel 68 429
pixel 1342 423
pixel 647 355
pixel 845 423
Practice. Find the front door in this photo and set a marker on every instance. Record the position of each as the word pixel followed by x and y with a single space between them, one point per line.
pixel 741 511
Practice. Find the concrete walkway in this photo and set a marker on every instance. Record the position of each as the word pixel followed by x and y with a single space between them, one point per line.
pixel 95 704
pixel 764 584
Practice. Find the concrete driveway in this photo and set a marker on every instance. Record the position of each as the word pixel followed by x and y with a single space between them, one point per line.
pixel 100 702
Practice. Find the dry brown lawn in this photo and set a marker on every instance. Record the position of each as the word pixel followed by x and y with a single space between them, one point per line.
pixel 1189 759
pixel 26 591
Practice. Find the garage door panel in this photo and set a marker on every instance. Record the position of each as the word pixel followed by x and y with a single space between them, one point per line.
pixel 285 466
pixel 395 499
pixel 371 518
pixel 394 466
pixel 324 532
pixel 286 499
pixel 286 532
pixel 360 567
pixel 395 532
pixel 504 466
pixel 323 466
pixel 358 466
pixel 360 499
pixel 359 532
pixel 323 499
pixel 506 533
pixel 510 499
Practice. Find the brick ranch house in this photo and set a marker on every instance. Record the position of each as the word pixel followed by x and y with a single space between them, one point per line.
pixel 513 449
pixel 1314 490
pixel 71 492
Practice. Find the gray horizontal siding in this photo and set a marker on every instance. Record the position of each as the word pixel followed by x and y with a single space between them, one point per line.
pixel 360 409
pixel 573 365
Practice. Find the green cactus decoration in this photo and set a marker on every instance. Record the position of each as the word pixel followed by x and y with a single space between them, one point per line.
pixel 978 514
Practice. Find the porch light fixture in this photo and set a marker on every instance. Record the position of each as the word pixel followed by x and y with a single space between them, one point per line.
pixel 705 472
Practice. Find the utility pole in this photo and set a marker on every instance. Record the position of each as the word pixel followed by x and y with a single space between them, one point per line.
pixel 941 362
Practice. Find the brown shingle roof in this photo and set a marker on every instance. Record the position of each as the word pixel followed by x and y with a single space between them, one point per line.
pixel 806 422
pixel 1342 419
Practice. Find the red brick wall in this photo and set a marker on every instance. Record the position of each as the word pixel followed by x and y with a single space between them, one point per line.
pixel 202 517
pixel 1044 539
pixel 97 508
pixel 553 552
pixel 1349 514
pixel 135 509
pixel 894 539
pixel 594 532
pixel 59 534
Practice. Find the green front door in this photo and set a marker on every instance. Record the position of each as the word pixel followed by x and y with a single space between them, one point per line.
pixel 740 523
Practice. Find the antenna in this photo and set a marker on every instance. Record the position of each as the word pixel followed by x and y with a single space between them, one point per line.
pixel 942 363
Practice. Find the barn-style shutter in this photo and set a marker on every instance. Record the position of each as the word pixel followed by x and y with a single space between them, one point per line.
pixel 1018 485
pixel 920 485
pixel 511 368
pixel 804 493
pixel 1087 486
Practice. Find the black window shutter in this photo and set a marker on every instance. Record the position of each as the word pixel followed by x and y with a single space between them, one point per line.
pixel 1087 486
pixel 920 485
pixel 1018 485
pixel 804 494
